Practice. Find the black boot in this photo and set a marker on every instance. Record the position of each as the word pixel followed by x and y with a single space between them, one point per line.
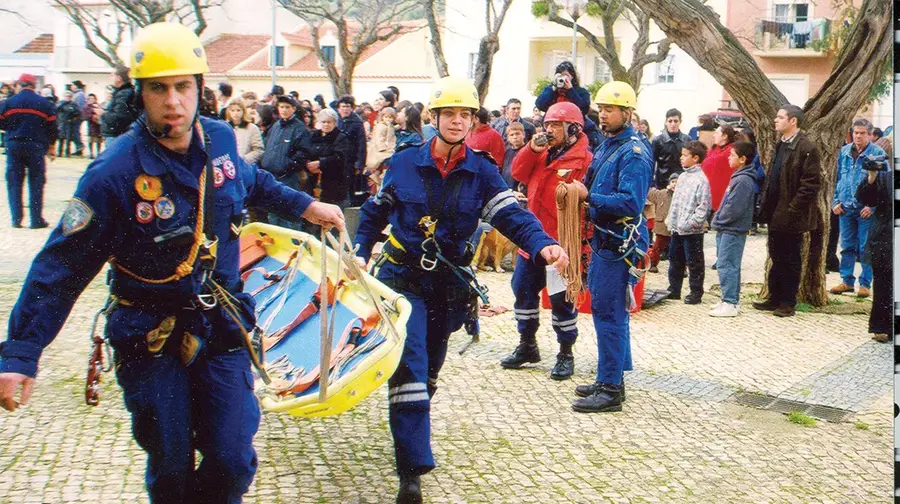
pixel 565 363
pixel 606 398
pixel 410 491
pixel 586 390
pixel 526 352
pixel 693 298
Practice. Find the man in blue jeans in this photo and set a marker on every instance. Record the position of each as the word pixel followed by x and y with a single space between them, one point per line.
pixel 854 216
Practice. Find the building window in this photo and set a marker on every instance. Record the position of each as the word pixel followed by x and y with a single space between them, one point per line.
pixel 791 13
pixel 328 52
pixel 277 56
pixel 665 70
pixel 602 72
pixel 473 61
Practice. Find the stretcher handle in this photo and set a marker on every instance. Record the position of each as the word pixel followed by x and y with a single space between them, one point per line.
pixel 344 249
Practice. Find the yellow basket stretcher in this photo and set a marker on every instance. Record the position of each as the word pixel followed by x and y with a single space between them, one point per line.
pixel 284 272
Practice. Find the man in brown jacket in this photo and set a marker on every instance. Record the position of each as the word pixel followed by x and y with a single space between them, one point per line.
pixel 789 207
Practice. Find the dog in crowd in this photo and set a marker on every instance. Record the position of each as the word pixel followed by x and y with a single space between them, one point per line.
pixel 493 249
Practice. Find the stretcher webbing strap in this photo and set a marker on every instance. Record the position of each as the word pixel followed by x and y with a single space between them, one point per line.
pixel 349 257
pixel 568 212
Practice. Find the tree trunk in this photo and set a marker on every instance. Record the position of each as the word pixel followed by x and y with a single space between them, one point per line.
pixel 697 30
pixel 437 47
pixel 488 47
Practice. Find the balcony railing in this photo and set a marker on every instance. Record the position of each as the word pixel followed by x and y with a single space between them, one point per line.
pixel 785 37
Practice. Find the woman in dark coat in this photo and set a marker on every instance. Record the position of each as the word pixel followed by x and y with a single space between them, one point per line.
pixel 325 154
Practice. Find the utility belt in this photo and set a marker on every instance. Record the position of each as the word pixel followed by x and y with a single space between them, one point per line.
pixel 431 261
pixel 395 253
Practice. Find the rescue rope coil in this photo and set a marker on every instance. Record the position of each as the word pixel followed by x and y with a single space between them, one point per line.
pixel 568 213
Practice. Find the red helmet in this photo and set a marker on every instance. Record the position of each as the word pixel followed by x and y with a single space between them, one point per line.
pixel 564 112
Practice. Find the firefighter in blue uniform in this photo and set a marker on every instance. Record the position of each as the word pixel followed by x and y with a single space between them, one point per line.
pixel 433 195
pixel 163 204
pixel 30 124
pixel 615 190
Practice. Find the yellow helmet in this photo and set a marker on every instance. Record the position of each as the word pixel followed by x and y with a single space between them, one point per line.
pixel 167 49
pixel 616 93
pixel 454 92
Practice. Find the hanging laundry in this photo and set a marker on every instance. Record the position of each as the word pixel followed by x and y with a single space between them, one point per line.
pixel 784 29
pixel 802 28
pixel 769 27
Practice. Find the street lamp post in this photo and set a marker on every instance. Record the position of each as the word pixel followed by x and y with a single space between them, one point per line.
pixel 272 49
pixel 575 8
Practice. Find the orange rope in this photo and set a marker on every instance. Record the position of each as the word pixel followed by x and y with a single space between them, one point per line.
pixel 568 213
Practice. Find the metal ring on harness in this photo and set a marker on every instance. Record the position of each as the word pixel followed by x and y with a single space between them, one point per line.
pixel 424 262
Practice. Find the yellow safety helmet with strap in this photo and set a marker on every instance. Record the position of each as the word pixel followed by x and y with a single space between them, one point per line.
pixel 167 49
pixel 454 92
pixel 616 93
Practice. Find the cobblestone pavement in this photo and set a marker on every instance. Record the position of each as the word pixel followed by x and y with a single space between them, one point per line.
pixel 502 436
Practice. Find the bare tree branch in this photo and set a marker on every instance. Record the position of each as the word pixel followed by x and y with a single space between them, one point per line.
pixel 360 24
pixel 89 25
pixel 610 12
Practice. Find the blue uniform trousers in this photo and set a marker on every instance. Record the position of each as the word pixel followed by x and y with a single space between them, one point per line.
pixel 25 160
pixel 208 406
pixel 608 283
pixel 854 233
pixel 527 281
pixel 438 309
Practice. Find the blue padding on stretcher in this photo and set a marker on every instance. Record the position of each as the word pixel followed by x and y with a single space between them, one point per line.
pixel 302 344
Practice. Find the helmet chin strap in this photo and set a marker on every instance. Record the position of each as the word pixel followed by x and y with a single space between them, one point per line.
pixel 453 145
pixel 167 129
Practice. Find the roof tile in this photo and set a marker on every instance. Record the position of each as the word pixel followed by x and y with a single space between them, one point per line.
pixel 42 44
pixel 230 49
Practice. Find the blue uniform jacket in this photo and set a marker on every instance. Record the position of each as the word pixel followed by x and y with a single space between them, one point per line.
pixel 108 220
pixel 29 117
pixel 618 181
pixel 849 175
pixel 402 202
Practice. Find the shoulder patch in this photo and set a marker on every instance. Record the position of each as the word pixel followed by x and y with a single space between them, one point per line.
pixel 636 149
pixel 77 217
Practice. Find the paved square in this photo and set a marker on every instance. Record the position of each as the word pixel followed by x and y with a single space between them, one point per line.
pixel 510 436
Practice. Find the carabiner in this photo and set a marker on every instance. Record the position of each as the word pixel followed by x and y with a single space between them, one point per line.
pixel 207 305
pixel 427 264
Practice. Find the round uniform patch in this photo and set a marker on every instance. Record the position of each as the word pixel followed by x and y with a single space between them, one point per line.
pixel 228 166
pixel 144 212
pixel 148 188
pixel 164 208
pixel 218 177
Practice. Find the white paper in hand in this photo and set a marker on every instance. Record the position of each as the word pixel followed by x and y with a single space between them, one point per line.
pixel 555 282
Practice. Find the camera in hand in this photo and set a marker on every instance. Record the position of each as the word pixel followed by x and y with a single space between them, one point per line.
pixel 541 139
pixel 875 163
pixel 559 81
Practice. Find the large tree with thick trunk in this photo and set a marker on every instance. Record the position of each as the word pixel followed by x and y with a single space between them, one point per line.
pixel 860 64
